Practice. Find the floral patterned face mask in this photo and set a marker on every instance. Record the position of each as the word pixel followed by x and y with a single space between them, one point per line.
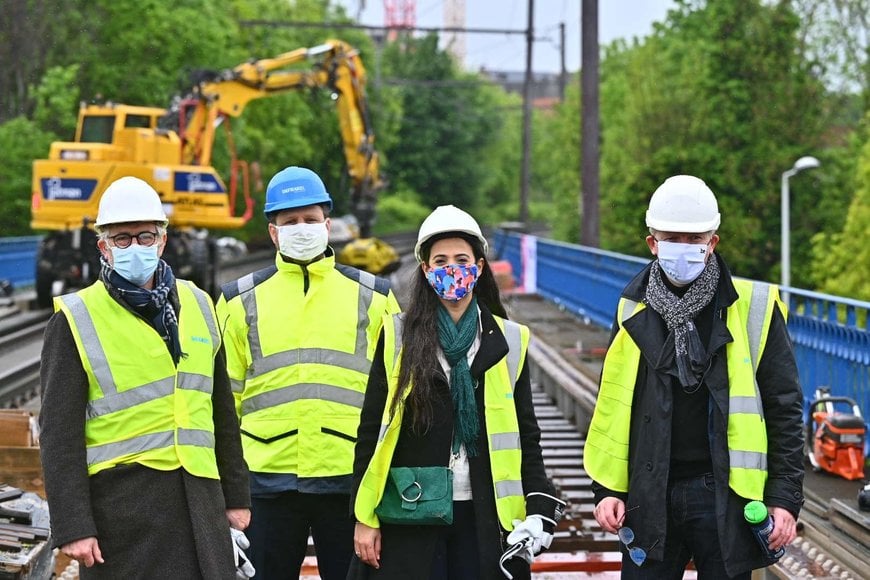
pixel 454 281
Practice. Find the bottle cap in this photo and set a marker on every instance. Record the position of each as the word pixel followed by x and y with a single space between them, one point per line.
pixel 755 512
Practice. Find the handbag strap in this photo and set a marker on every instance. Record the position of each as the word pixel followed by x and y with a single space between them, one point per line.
pixel 454 453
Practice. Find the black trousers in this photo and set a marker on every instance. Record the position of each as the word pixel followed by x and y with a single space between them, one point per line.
pixel 693 534
pixel 279 532
pixel 456 555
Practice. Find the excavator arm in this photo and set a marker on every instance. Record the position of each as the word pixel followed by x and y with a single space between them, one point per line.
pixel 334 66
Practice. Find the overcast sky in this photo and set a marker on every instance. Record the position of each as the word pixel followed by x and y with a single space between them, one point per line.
pixel 616 19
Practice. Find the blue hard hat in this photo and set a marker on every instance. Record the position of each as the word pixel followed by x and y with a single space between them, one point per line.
pixel 295 187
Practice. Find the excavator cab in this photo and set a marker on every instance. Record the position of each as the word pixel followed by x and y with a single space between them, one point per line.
pixel 114 140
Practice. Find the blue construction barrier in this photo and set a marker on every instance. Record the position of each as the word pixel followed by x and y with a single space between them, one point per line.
pixel 18 260
pixel 830 334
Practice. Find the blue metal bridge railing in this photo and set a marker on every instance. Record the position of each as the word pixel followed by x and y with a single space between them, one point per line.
pixel 18 260
pixel 830 334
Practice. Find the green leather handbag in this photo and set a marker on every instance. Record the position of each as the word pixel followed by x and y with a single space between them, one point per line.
pixel 417 496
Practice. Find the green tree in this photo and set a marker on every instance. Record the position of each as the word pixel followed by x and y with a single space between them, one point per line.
pixel 714 92
pixel 447 122
pixel 841 263
pixel 22 140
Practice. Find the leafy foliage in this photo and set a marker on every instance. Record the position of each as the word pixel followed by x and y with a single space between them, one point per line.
pixel 713 92
pixel 446 121
pixel 729 90
pixel 22 141
pixel 841 258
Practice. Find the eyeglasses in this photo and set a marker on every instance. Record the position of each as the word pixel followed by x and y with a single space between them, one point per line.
pixel 626 536
pixel 142 238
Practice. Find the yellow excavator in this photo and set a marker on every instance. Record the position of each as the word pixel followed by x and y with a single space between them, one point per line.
pixel 114 140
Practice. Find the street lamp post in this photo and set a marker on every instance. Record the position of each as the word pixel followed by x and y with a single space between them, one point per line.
pixel 799 165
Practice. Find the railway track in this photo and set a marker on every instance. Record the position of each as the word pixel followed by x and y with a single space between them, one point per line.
pixel 20 347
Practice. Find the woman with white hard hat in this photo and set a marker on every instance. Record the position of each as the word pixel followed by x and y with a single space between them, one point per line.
pixel 449 388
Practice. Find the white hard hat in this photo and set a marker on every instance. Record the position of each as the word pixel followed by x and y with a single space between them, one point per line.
pixel 129 199
pixel 448 218
pixel 683 204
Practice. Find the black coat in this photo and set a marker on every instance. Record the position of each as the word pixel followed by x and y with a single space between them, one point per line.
pixel 650 432
pixel 148 523
pixel 407 551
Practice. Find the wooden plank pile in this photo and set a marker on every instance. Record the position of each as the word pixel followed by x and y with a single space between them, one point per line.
pixel 24 534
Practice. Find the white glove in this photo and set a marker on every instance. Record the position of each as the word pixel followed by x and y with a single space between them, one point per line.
pixel 244 568
pixel 532 528
pixel 521 549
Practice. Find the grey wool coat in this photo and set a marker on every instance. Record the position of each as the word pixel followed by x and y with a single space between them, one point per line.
pixel 149 523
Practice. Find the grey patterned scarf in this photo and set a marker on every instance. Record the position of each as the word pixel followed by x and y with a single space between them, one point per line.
pixel 679 313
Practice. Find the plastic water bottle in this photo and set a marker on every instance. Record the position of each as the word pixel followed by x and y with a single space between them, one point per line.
pixel 761 524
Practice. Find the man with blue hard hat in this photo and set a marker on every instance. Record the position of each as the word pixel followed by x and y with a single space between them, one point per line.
pixel 300 336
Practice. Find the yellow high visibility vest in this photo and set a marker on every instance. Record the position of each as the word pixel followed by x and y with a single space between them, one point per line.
pixel 748 320
pixel 299 360
pixel 141 407
pixel 502 428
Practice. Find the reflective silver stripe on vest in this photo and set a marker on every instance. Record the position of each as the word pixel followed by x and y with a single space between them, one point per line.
pixel 246 283
pixel 628 308
pixel 302 391
pixel 142 443
pixel 513 336
pixel 508 488
pixel 505 441
pixel 202 301
pixel 194 382
pixel 107 451
pixel 383 431
pixel 747 405
pixel 130 398
pixel 398 326
pixel 196 438
pixel 356 361
pixel 91 343
pixel 237 385
pixel 336 358
pixel 754 327
pixel 748 459
pixel 757 308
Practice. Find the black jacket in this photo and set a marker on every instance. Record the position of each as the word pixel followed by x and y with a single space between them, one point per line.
pixel 650 431
pixel 407 550
pixel 147 522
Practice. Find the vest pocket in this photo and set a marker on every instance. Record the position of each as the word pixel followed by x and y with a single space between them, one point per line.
pixel 270 444
pixel 328 450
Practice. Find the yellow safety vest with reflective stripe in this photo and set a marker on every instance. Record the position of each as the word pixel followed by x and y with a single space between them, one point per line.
pixel 748 320
pixel 502 428
pixel 142 408
pixel 299 360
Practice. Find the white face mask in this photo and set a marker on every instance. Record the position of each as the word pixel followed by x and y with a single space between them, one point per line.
pixel 682 263
pixel 303 241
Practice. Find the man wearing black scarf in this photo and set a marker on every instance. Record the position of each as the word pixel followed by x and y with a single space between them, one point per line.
pixel 700 408
pixel 140 445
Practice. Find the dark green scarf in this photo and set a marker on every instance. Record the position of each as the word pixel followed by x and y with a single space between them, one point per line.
pixel 455 340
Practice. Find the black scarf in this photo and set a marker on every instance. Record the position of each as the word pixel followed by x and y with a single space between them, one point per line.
pixel 152 305
pixel 679 313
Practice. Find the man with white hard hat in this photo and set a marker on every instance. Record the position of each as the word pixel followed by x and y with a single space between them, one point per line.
pixel 140 445
pixel 699 410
